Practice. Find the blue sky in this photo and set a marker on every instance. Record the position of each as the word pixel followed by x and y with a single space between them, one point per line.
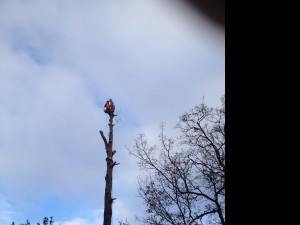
pixel 59 62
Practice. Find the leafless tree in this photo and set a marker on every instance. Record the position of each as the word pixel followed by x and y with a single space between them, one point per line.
pixel 121 222
pixel 110 163
pixel 185 183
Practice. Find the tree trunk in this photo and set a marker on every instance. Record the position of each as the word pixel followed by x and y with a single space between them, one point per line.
pixel 108 200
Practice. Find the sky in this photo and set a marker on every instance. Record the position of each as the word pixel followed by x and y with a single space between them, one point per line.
pixel 59 62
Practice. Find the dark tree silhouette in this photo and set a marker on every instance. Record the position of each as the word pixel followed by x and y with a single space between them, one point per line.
pixel 45 222
pixel 108 200
pixel 185 182
pixel 51 220
pixel 121 222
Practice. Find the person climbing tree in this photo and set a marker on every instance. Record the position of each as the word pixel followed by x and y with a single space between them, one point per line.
pixel 112 106
pixel 107 108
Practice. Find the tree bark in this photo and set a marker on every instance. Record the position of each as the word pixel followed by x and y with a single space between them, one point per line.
pixel 108 200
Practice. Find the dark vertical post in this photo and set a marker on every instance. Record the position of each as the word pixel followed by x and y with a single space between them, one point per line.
pixel 108 200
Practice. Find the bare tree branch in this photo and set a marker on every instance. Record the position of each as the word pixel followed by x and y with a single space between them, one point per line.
pixel 185 186
pixel 104 139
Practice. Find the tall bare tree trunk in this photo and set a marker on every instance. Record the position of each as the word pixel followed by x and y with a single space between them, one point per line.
pixel 108 200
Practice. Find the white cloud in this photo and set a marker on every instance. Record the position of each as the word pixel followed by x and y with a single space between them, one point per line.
pixel 8 213
pixel 79 221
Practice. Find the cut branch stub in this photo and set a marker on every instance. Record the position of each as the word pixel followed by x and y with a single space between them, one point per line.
pixel 115 164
